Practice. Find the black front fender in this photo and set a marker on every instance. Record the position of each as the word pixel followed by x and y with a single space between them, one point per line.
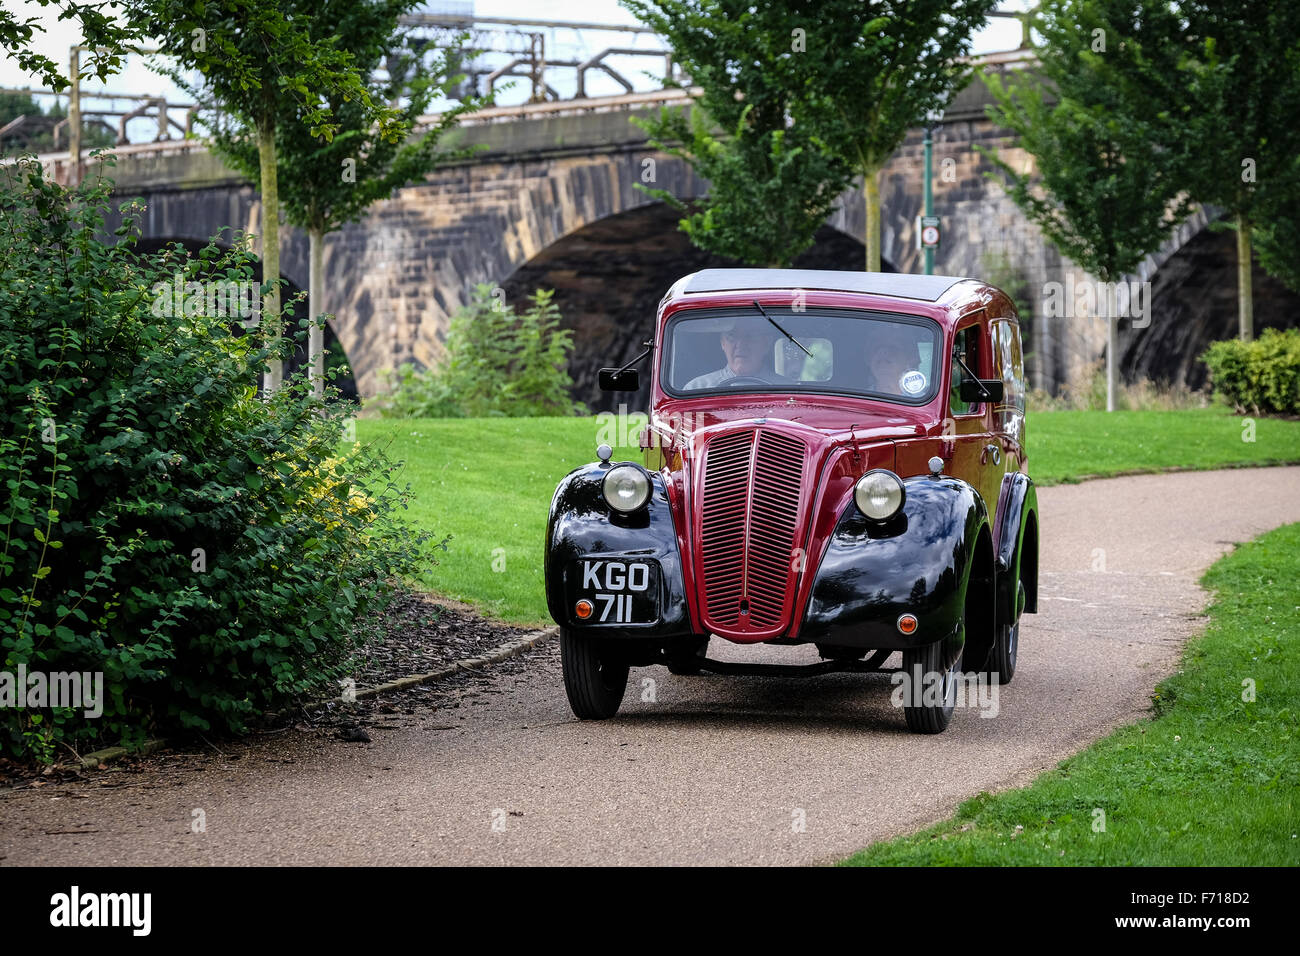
pixel 1017 547
pixel 917 563
pixel 582 525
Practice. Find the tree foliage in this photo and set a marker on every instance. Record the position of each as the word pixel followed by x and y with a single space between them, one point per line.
pixel 845 79
pixel 771 183
pixel 873 71
pixel 107 37
pixel 327 184
pixel 254 56
pixel 1277 232
pixel 1106 186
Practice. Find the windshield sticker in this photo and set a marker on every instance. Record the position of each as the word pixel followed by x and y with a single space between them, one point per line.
pixel 913 383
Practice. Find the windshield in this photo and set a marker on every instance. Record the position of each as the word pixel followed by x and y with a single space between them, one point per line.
pixel 878 354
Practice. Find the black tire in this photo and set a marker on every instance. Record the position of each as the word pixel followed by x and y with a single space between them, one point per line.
pixel 923 714
pixel 595 675
pixel 684 656
pixel 1002 659
pixel 1001 666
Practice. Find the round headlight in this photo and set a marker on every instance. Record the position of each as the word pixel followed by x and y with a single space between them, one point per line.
pixel 626 488
pixel 879 494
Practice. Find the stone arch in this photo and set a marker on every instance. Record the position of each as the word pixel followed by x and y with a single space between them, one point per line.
pixel 1194 302
pixel 470 224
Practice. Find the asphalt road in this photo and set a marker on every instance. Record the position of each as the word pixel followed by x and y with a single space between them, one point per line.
pixel 713 770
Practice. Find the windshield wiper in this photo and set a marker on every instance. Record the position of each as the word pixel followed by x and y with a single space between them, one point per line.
pixel 965 368
pixel 781 330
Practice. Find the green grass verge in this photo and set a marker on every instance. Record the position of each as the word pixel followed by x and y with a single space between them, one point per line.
pixel 488 482
pixel 1211 780
pixel 1067 446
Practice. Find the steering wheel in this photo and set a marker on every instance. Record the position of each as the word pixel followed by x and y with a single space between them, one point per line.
pixel 746 378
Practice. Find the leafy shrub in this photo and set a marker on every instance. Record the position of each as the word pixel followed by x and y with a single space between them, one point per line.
pixel 206 549
pixel 1261 376
pixel 498 363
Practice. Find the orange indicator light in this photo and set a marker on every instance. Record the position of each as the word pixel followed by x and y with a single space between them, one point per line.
pixel 583 609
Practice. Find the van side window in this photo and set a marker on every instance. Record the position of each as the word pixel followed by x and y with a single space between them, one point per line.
pixel 965 347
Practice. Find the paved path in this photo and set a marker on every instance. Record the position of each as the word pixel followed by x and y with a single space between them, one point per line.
pixel 718 769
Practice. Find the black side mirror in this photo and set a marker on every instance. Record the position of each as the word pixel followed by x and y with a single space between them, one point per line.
pixel 973 391
pixel 623 379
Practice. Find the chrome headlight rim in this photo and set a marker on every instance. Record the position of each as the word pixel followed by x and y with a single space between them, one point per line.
pixel 623 506
pixel 861 499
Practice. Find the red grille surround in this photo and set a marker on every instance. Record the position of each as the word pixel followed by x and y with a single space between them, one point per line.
pixel 749 531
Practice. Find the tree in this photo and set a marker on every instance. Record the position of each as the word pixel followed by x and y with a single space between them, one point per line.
pixel 872 71
pixel 1278 233
pixel 1239 95
pixel 253 56
pixel 1106 192
pixel 325 185
pixel 107 37
pixel 771 185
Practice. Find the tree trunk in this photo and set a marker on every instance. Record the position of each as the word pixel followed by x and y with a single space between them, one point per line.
pixel 871 187
pixel 315 307
pixel 1112 360
pixel 271 323
pixel 1245 301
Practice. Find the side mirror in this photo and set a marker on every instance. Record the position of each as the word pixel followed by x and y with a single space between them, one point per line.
pixel 973 391
pixel 623 380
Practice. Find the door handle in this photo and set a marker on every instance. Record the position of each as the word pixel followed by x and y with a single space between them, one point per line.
pixel 995 451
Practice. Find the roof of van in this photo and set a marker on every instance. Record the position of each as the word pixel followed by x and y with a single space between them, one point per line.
pixel 896 284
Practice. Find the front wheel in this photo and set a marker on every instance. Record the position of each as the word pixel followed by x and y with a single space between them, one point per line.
pixel 595 675
pixel 1001 666
pixel 1002 660
pixel 930 688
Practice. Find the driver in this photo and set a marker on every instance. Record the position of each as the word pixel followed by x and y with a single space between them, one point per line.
pixel 747 344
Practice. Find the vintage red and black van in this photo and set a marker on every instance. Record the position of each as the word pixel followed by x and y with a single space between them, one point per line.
pixel 832 458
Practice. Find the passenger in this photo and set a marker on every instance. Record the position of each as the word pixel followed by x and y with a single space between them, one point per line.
pixel 891 369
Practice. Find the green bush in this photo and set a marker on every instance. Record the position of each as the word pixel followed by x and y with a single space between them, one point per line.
pixel 1261 376
pixel 498 363
pixel 206 549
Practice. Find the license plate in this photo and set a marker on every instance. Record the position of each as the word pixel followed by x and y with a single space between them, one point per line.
pixel 621 592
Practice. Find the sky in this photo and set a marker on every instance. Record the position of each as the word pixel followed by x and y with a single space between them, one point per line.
pixel 58 37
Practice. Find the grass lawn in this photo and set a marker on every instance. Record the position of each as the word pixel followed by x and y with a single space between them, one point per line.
pixel 1211 780
pixel 488 482
pixel 1066 446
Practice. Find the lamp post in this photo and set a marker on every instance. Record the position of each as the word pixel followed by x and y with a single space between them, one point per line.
pixel 932 117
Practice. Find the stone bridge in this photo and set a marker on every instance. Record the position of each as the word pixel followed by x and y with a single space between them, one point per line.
pixel 551 201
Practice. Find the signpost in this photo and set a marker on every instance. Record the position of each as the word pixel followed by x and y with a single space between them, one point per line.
pixel 927 239
pixel 927 226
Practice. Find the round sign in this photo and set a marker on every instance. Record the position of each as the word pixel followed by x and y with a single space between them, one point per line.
pixel 913 383
pixel 930 236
